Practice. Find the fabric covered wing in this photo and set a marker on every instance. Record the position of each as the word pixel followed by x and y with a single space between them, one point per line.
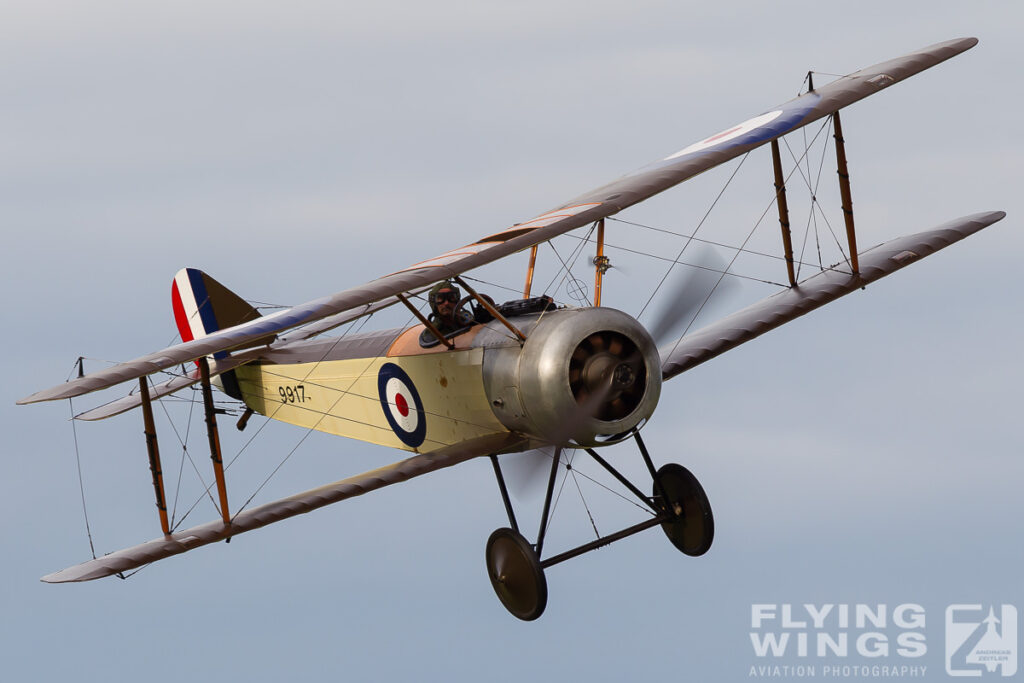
pixel 605 201
pixel 816 291
pixel 338 319
pixel 182 541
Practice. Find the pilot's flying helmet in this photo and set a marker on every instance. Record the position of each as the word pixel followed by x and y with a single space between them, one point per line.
pixel 441 290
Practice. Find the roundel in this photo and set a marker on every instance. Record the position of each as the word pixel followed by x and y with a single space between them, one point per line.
pixel 402 405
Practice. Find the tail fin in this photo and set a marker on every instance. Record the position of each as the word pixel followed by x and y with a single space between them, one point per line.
pixel 201 307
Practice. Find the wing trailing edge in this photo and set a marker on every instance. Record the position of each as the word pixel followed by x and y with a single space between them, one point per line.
pixel 212 532
pixel 814 292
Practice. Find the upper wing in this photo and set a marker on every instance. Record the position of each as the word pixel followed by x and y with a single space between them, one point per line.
pixel 604 201
pixel 829 285
pixel 176 543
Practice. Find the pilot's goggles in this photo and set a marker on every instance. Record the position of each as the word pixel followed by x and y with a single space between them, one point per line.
pixel 447 295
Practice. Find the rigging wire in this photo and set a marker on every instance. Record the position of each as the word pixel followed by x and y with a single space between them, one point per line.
pixel 81 484
pixel 693 318
pixel 375 399
pixel 186 453
pixel 270 417
pixel 713 243
pixel 813 190
pixel 518 291
pixel 690 265
pixel 586 507
pixel 814 217
pixel 77 365
pixel 558 496
pixel 570 471
pixel 311 429
pixel 594 481
pixel 696 230
pixel 818 73
pixel 574 256
pixel 181 466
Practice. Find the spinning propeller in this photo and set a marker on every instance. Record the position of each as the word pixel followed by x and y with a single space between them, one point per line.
pixel 607 376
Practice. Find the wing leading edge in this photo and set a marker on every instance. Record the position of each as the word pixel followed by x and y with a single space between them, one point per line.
pixel 602 202
pixel 814 292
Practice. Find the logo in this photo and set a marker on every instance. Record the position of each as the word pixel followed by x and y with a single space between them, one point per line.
pixel 981 640
pixel 402 405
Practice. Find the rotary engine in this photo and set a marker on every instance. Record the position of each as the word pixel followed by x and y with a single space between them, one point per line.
pixel 583 375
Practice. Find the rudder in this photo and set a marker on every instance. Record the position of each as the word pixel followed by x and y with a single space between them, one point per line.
pixel 202 306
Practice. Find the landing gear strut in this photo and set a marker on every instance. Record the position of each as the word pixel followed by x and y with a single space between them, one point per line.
pixel 516 569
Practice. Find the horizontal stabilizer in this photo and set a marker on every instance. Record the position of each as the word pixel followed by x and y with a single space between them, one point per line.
pixel 607 200
pixel 816 291
pixel 182 541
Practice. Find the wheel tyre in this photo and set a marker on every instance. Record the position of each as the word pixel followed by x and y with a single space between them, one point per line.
pixel 516 574
pixel 693 531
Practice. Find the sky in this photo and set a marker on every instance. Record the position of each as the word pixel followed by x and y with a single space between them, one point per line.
pixel 866 454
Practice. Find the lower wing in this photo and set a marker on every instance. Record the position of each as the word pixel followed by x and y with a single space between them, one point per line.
pixel 183 541
pixel 816 291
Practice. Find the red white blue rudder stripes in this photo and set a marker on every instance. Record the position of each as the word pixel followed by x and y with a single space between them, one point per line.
pixel 202 305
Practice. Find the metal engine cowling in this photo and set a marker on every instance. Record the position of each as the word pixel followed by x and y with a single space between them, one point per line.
pixel 582 375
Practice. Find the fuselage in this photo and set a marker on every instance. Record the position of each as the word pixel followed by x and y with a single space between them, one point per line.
pixel 385 388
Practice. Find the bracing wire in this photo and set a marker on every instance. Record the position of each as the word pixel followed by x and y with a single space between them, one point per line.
pixel 689 241
pixel 707 298
pixel 81 483
pixel 78 458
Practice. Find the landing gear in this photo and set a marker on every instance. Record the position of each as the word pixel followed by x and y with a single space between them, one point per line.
pixel 679 505
pixel 516 574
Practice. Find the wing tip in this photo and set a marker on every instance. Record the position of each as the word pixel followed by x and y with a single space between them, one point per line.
pixel 961 44
pixel 65 390
pixel 87 571
pixel 37 397
pixel 55 577
pixel 986 217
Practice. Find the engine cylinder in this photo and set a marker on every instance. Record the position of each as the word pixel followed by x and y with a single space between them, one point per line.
pixel 582 376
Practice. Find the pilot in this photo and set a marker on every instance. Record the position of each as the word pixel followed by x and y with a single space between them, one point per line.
pixel 444 298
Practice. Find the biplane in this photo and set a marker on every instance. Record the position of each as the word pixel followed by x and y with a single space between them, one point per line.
pixel 517 376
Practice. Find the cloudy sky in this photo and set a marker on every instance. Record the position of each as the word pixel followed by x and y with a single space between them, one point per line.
pixel 868 453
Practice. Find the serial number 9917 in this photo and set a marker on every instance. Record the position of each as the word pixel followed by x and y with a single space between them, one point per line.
pixel 292 394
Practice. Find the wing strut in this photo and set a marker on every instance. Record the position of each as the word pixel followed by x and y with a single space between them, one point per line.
pixel 438 334
pixel 844 191
pixel 214 436
pixel 154 453
pixel 529 272
pixel 780 199
pixel 601 263
pixel 489 307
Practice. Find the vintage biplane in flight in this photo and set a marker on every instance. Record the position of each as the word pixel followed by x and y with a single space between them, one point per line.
pixel 515 377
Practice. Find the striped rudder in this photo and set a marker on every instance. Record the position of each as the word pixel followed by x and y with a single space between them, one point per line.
pixel 202 306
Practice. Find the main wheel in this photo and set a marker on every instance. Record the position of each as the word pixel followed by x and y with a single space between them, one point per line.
pixel 693 528
pixel 516 574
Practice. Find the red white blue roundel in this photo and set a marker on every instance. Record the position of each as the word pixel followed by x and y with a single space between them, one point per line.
pixel 402 405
